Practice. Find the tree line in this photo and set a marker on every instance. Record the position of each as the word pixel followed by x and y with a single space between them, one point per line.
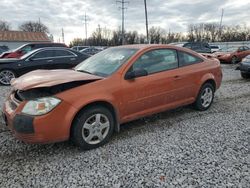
pixel 207 32
pixel 203 32
pixel 29 26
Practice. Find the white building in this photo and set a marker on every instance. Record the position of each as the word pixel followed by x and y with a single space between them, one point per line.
pixel 14 39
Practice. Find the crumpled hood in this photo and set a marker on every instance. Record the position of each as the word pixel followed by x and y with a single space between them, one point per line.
pixel 48 78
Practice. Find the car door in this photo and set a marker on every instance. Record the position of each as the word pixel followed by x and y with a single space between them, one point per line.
pixel 154 92
pixel 64 59
pixel 39 60
pixel 190 67
pixel 246 52
pixel 241 52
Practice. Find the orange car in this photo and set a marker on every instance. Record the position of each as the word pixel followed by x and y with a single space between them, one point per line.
pixel 233 55
pixel 115 86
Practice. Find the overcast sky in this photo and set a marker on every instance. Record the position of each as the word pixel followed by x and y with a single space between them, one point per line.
pixel 172 15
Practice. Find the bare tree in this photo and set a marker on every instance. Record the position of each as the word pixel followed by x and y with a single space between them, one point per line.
pixel 34 27
pixel 4 26
pixel 156 34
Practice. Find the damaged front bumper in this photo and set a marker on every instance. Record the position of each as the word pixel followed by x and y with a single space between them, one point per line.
pixel 51 127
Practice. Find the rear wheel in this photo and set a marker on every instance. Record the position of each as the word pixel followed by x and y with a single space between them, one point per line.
pixel 93 127
pixel 205 97
pixel 6 76
pixel 245 75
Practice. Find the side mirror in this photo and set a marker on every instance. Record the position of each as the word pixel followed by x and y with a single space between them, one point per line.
pixel 135 74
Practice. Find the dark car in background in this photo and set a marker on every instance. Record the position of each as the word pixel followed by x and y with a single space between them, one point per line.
pixel 3 49
pixel 91 50
pixel 244 67
pixel 22 50
pixel 44 58
pixel 79 48
pixel 200 47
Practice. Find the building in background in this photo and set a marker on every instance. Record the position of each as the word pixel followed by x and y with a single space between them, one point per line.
pixel 14 39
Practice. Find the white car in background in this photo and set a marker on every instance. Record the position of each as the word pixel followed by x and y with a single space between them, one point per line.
pixel 214 48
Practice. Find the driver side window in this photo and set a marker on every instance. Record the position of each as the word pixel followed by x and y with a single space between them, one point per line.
pixel 156 61
pixel 44 54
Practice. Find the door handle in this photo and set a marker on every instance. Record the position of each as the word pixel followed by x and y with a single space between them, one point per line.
pixel 72 59
pixel 50 61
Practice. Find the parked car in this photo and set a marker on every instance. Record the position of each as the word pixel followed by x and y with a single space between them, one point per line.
pixel 199 47
pixel 44 58
pixel 214 48
pixel 79 48
pixel 22 50
pixel 88 103
pixel 3 49
pixel 233 55
pixel 91 50
pixel 244 67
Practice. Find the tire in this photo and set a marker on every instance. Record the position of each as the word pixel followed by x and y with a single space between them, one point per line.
pixel 6 76
pixel 245 75
pixel 205 97
pixel 92 128
pixel 235 60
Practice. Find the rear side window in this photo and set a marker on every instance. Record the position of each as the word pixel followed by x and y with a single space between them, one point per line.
pixel 44 54
pixel 63 53
pixel 157 60
pixel 187 59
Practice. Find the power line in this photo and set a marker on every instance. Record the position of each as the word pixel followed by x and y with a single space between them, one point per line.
pixel 123 2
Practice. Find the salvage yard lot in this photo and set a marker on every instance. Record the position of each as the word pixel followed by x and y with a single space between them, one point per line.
pixel 175 148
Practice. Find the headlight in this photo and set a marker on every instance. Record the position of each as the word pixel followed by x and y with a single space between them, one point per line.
pixel 40 106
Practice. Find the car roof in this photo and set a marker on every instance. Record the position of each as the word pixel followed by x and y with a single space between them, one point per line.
pixel 142 47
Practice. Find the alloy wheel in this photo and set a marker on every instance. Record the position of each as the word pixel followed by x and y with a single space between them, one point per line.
pixel 95 128
pixel 6 76
pixel 206 97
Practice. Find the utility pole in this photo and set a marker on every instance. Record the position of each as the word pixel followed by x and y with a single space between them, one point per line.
pixel 63 36
pixel 86 19
pixel 146 16
pixel 39 22
pixel 123 2
pixel 222 14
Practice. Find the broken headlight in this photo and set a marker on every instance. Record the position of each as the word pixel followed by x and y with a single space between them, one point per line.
pixel 40 106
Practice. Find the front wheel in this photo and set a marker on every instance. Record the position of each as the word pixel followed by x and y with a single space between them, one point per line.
pixel 6 76
pixel 205 97
pixel 93 127
pixel 245 75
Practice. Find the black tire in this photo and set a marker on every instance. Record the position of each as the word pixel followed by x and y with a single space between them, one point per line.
pixel 6 82
pixel 78 132
pixel 235 60
pixel 199 103
pixel 245 75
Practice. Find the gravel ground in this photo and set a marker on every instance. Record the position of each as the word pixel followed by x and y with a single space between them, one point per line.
pixel 178 148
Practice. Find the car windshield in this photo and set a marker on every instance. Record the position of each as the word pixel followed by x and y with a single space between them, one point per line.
pixel 106 62
pixel 27 54
pixel 214 47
